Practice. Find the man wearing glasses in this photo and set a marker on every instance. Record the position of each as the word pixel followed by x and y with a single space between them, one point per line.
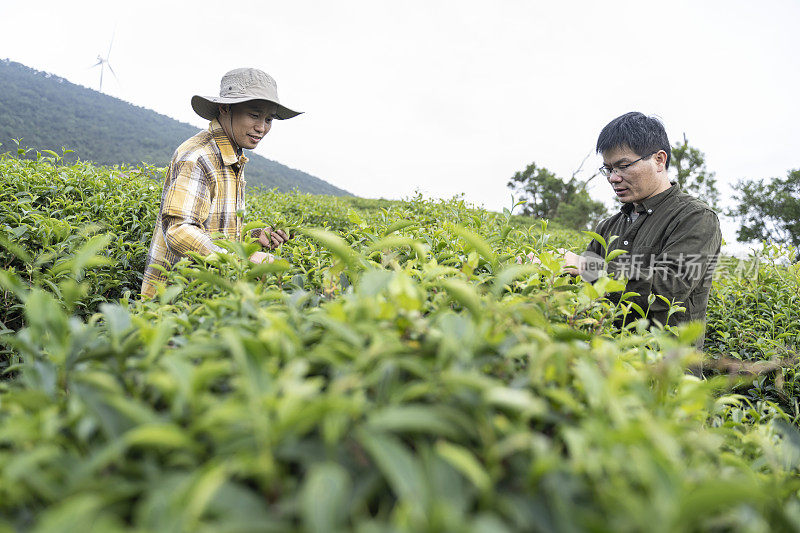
pixel 671 240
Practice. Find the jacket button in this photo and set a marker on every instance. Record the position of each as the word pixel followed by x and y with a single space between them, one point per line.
pixel 625 243
pixel 649 211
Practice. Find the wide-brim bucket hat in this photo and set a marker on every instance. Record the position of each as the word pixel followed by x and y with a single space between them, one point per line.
pixel 242 85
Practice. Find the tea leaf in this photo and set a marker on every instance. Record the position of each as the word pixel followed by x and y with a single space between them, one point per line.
pixel 462 460
pixel 463 293
pixel 413 418
pixel 335 244
pixel 325 496
pixel 161 435
pixel 398 465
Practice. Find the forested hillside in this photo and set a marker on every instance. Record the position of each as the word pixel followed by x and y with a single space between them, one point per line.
pixel 49 112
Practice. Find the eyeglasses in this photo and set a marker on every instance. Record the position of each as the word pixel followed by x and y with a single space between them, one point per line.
pixel 620 169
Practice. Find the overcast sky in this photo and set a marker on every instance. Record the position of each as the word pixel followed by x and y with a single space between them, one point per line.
pixel 450 97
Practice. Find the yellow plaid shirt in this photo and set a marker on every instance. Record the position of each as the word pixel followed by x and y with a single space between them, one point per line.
pixel 203 190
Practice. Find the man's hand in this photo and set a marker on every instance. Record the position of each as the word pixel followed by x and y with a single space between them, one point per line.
pixel 272 239
pixel 573 263
pixel 531 258
pixel 262 257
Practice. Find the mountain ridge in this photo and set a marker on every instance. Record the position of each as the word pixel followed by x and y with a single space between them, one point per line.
pixel 49 112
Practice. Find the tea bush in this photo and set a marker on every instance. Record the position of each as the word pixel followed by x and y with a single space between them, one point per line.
pixel 49 211
pixel 754 324
pixel 397 371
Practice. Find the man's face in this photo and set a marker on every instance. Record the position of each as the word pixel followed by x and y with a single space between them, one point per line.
pixel 639 181
pixel 248 122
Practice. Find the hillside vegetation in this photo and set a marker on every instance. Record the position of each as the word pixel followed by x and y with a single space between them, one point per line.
pixel 48 112
pixel 394 370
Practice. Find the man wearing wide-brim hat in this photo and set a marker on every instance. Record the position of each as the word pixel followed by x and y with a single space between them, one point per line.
pixel 204 185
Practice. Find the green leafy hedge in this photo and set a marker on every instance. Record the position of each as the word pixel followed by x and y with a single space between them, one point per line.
pixel 754 324
pixel 48 211
pixel 398 371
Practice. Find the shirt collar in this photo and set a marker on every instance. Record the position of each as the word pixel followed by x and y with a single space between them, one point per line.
pixel 229 155
pixel 653 202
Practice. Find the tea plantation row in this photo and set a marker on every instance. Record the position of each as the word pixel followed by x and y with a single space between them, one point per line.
pixel 395 370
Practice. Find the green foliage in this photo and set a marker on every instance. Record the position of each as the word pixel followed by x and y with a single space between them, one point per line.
pixel 46 111
pixel 691 173
pixel 754 325
pixel 52 219
pixel 396 370
pixel 769 210
pixel 548 196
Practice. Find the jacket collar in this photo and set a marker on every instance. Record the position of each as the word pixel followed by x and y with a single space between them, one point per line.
pixel 229 155
pixel 652 203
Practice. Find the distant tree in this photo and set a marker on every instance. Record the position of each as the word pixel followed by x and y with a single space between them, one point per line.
pixel 540 188
pixel 691 173
pixel 769 210
pixel 548 196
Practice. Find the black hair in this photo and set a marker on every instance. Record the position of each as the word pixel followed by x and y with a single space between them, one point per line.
pixel 642 134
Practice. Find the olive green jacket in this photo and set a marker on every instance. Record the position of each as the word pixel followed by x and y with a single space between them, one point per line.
pixel 672 250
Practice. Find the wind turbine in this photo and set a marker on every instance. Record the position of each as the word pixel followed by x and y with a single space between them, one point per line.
pixel 103 63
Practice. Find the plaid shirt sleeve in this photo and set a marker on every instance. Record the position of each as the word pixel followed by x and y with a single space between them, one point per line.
pixel 186 206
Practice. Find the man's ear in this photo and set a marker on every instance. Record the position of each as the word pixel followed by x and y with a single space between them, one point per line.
pixel 661 159
pixel 224 108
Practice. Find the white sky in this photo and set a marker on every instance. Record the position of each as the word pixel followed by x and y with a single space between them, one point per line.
pixel 450 97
